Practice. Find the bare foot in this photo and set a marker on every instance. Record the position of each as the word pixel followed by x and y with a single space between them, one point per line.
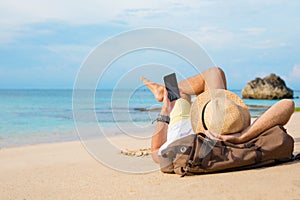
pixel 155 88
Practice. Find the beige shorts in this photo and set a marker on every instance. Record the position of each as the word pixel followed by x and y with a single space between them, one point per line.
pixel 180 112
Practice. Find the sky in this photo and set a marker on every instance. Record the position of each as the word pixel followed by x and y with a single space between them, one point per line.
pixel 43 43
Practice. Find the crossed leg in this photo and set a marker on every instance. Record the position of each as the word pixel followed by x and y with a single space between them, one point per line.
pixel 213 78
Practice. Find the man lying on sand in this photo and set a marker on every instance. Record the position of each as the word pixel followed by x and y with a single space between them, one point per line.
pixel 230 123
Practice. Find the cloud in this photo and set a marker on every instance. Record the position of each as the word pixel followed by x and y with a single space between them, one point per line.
pixel 200 18
pixel 70 11
pixel 295 74
pixel 267 44
pixel 216 37
pixel 16 15
pixel 213 37
pixel 254 31
pixel 70 53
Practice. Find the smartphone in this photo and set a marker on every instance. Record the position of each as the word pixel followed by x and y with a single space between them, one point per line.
pixel 172 86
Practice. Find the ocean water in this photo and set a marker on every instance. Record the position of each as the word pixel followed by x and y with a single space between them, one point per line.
pixel 39 116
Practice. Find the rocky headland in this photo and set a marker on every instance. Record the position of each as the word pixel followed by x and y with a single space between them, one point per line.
pixel 270 87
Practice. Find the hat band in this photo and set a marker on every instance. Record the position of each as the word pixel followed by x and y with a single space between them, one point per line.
pixel 203 122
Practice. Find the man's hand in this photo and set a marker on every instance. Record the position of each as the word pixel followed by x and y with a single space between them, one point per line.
pixel 232 138
pixel 167 106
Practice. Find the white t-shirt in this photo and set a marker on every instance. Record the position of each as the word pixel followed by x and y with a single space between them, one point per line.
pixel 176 131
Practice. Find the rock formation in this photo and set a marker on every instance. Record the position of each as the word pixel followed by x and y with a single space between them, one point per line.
pixel 270 87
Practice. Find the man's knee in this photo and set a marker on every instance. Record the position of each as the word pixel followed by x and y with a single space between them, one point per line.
pixel 218 71
pixel 215 78
pixel 290 105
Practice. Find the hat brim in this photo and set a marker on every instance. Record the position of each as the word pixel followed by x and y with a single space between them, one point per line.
pixel 202 100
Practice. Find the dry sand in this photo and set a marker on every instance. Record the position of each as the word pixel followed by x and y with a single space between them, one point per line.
pixel 68 171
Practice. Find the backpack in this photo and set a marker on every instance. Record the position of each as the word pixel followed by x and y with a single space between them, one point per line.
pixel 198 154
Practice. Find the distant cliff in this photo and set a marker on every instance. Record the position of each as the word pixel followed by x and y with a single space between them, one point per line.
pixel 270 87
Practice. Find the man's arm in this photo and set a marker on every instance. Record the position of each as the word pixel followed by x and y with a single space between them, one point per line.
pixel 160 135
pixel 278 114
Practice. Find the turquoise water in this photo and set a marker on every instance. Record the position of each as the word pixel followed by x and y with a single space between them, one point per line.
pixel 256 106
pixel 38 116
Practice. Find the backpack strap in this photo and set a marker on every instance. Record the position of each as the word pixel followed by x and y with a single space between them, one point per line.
pixel 258 154
pixel 296 157
pixel 190 160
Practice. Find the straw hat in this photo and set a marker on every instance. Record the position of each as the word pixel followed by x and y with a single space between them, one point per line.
pixel 219 111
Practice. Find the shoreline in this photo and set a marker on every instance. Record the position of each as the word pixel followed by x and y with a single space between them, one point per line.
pixel 66 170
pixel 74 137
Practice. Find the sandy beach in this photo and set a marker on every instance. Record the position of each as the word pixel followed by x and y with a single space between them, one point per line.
pixel 67 171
